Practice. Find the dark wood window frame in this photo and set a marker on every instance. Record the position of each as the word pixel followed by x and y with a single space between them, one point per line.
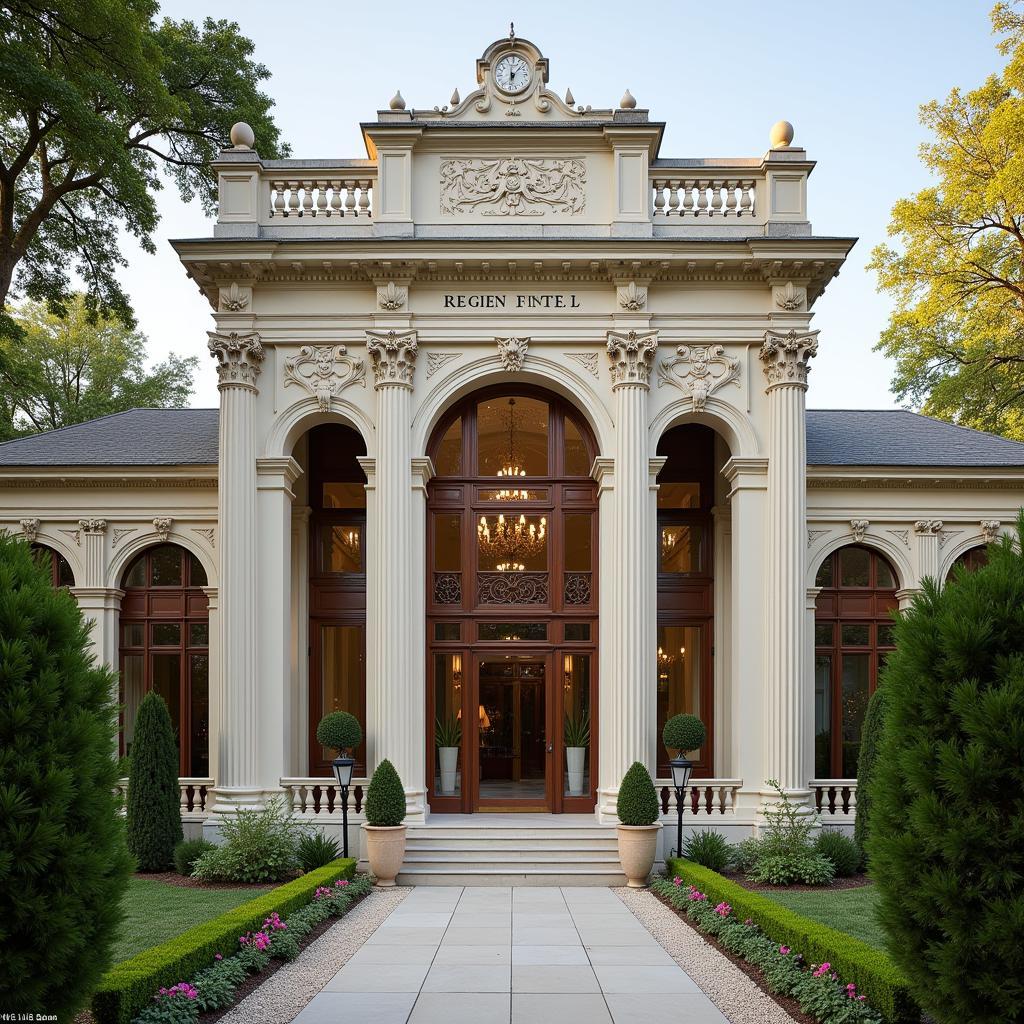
pixel 61 573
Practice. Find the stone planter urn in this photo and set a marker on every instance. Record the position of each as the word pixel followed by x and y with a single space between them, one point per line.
pixel 575 757
pixel 449 758
pixel 638 846
pixel 385 850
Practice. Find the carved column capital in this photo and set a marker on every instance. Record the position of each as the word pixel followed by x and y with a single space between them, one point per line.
pixel 989 528
pixel 239 358
pixel 94 526
pixel 632 355
pixel 394 357
pixel 785 355
pixel 30 527
pixel 928 526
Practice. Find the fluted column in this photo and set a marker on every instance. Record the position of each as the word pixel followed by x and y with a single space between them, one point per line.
pixel 299 761
pixel 928 531
pixel 239 360
pixel 629 696
pixel 398 683
pixel 785 357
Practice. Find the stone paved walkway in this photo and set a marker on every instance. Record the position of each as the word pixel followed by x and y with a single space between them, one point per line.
pixel 511 956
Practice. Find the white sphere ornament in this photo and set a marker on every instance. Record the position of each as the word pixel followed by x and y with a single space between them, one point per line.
pixel 627 102
pixel 397 101
pixel 781 135
pixel 242 136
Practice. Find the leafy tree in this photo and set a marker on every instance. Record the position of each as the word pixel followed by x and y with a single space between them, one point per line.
pixel 946 843
pixel 64 865
pixel 957 273
pixel 154 811
pixel 96 99
pixel 64 370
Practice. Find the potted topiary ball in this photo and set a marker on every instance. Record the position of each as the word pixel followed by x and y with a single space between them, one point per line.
pixel 639 826
pixel 385 833
pixel 683 733
pixel 339 731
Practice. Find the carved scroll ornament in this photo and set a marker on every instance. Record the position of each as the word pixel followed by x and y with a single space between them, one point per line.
pixel 699 370
pixel 324 371
pixel 513 187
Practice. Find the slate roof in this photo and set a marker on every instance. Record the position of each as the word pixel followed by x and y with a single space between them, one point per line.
pixel 835 437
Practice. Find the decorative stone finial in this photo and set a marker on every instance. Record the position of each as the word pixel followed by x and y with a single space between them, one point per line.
pixel 627 102
pixel 397 102
pixel 456 98
pixel 569 99
pixel 781 135
pixel 242 135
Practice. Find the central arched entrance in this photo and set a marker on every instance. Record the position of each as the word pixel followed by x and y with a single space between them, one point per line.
pixel 512 606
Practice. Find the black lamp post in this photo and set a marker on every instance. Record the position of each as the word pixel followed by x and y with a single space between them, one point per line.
pixel 681 769
pixel 343 773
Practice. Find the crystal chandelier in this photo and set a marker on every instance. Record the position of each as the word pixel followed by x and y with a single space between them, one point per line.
pixel 512 467
pixel 511 542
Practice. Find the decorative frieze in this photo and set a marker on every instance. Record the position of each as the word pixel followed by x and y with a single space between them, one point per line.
pixel 588 360
pixel 394 357
pixel 631 354
pixel 30 527
pixel 699 370
pixel 512 588
pixel 859 527
pixel 392 296
pixel 162 525
pixel 239 357
pixel 785 355
pixel 436 360
pixel 512 353
pixel 513 187
pixel 632 297
pixel 990 530
pixel 324 371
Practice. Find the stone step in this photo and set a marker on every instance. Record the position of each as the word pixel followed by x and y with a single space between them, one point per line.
pixel 449 854
pixel 524 835
pixel 491 845
pixel 494 874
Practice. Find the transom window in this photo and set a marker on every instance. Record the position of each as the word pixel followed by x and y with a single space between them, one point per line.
pixel 853 635
pixel 55 564
pixel 972 559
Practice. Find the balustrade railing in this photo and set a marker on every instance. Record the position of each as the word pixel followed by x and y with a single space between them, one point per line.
pixel 318 198
pixel 702 798
pixel 704 198
pixel 193 796
pixel 313 797
pixel 834 796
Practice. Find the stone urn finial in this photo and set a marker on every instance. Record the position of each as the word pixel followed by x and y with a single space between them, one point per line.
pixel 242 135
pixel 397 101
pixel 781 135
pixel 627 102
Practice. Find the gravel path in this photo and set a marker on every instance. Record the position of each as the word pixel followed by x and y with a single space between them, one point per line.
pixel 280 998
pixel 721 980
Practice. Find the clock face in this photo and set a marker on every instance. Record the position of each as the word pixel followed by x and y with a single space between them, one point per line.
pixel 512 73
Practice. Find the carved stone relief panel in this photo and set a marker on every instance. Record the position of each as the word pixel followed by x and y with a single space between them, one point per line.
pixel 699 370
pixel 513 187
pixel 324 371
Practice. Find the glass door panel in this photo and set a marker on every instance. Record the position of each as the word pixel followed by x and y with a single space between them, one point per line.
pixel 680 679
pixel 576 731
pixel 342 653
pixel 448 725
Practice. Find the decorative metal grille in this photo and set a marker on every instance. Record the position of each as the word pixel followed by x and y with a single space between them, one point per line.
pixel 577 588
pixel 512 588
pixel 447 588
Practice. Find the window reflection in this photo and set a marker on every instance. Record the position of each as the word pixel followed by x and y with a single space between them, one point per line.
pixel 679 679
pixel 680 548
pixel 512 437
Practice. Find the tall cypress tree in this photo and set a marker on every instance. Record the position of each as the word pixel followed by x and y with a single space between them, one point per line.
pixel 63 861
pixel 154 814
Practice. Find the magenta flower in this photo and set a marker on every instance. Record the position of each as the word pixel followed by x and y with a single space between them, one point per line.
pixel 784 950
pixel 677 881
pixel 723 909
pixel 217 956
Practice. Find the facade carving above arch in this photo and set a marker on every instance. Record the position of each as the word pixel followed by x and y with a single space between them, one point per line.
pixel 512 353
pixel 324 371
pixel 699 370
pixel 30 528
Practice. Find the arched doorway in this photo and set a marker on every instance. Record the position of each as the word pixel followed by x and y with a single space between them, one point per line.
pixel 972 559
pixel 165 646
pixel 58 567
pixel 512 606
pixel 853 635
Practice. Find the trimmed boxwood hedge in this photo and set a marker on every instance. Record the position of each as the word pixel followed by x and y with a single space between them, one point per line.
pixel 870 969
pixel 131 984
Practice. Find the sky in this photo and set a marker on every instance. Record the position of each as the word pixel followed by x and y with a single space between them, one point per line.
pixel 849 75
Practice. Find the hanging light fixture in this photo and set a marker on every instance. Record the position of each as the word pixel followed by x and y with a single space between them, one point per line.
pixel 511 542
pixel 512 467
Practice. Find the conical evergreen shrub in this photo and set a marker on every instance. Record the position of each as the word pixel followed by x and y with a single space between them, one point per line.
pixel 63 861
pixel 385 797
pixel 637 802
pixel 870 741
pixel 946 842
pixel 154 812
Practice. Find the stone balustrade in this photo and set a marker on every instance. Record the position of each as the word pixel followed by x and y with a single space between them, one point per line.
pixel 319 798
pixel 194 794
pixel 834 797
pixel 320 197
pixel 695 198
pixel 703 798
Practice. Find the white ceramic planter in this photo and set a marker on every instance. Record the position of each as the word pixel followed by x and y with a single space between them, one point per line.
pixel 638 845
pixel 575 757
pixel 449 757
pixel 385 850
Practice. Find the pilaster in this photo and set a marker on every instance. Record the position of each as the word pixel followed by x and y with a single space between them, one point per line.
pixel 298 759
pixel 927 532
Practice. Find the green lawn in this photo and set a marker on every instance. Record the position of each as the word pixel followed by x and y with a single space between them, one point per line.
pixel 846 910
pixel 156 912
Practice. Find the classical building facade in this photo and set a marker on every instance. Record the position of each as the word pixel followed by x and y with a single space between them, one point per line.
pixel 512 460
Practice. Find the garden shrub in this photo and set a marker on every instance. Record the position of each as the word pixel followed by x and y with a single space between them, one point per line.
pixel 785 854
pixel 871 970
pixel 946 840
pixel 841 850
pixel 187 852
pixel 637 802
pixel 745 854
pixel 870 739
pixel 64 864
pixel 154 799
pixel 709 848
pixel 259 846
pixel 339 731
pixel 683 733
pixel 129 986
pixel 315 850
pixel 385 797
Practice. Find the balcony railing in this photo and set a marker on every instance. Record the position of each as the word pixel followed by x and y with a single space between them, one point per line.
pixel 703 797
pixel 834 797
pixel 321 798
pixel 310 196
pixel 719 197
pixel 193 796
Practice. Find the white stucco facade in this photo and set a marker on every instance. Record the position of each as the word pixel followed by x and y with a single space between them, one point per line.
pixel 378 293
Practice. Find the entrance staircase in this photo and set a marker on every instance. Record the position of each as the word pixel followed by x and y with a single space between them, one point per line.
pixel 511 849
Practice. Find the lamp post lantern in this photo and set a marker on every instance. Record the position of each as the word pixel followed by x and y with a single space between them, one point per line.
pixel 681 769
pixel 343 773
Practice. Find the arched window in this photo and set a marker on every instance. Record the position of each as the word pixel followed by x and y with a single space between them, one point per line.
pixel 56 564
pixel 165 646
pixel 971 559
pixel 686 494
pixel 337 583
pixel 853 635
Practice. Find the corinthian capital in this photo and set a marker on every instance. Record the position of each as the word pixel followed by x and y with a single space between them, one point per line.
pixel 632 355
pixel 239 358
pixel 394 357
pixel 785 355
